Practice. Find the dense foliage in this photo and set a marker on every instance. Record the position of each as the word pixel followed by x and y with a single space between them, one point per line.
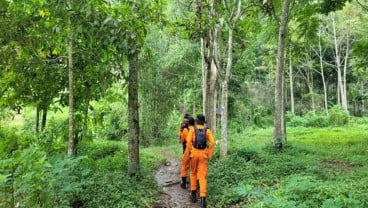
pixel 319 168
pixel 324 163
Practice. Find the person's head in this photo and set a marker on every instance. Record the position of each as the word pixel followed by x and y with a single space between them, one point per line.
pixel 201 119
pixel 186 116
pixel 191 121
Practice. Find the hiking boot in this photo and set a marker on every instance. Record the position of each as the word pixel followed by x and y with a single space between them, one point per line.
pixel 203 202
pixel 183 183
pixel 193 196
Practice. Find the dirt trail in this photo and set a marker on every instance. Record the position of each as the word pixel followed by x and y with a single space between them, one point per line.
pixel 173 196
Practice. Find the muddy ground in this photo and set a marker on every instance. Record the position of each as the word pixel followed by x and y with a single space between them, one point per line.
pixel 173 196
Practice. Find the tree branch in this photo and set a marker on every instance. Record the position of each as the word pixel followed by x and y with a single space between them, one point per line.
pixel 363 6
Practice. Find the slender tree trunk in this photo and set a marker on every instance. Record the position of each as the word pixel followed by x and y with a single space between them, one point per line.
pixel 133 116
pixel 224 96
pixel 363 106
pixel 210 96
pixel 71 141
pixel 347 52
pixel 209 68
pixel 338 66
pixel 44 118
pixel 322 72
pixel 291 86
pixel 204 74
pixel 215 67
pixel 309 78
pixel 311 91
pixel 85 118
pixel 279 129
pixel 37 119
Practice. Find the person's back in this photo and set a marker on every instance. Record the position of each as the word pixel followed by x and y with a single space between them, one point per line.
pixel 185 158
pixel 200 152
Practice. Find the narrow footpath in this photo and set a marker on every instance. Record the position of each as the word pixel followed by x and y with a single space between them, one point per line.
pixel 173 196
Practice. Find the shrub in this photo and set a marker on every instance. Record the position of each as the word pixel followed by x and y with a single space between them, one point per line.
pixel 295 120
pixel 262 118
pixel 109 120
pixel 311 119
pixel 316 120
pixel 338 116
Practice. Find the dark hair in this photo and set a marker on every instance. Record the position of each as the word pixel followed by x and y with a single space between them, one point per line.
pixel 191 121
pixel 201 119
pixel 186 115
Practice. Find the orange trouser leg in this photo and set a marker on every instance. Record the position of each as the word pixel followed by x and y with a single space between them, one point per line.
pixel 193 173
pixel 202 175
pixel 184 166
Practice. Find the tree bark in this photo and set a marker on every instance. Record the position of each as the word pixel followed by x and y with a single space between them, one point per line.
pixel 322 72
pixel 44 118
pixel 37 119
pixel 71 141
pixel 363 106
pixel 204 74
pixel 340 84
pixel 209 67
pixel 291 86
pixel 133 116
pixel 279 128
pixel 347 52
pixel 225 81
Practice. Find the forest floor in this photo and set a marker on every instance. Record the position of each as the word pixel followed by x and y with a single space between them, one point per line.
pixel 168 177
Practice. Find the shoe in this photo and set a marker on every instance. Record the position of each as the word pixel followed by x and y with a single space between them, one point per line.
pixel 193 196
pixel 183 183
pixel 203 202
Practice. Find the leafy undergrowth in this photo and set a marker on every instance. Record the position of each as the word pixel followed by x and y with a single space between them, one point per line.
pixel 318 168
pixel 97 177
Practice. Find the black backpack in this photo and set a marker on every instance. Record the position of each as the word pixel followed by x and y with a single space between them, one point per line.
pixel 200 141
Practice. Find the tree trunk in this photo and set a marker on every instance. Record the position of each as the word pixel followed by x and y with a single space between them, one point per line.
pixel 85 117
pixel 210 96
pixel 37 119
pixel 279 129
pixel 209 67
pixel 347 52
pixel 44 118
pixel 71 141
pixel 340 84
pixel 224 96
pixel 225 83
pixel 363 106
pixel 291 86
pixel 224 119
pixel 204 74
pixel 133 116
pixel 322 72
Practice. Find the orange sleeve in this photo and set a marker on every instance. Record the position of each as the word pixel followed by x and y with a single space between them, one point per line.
pixel 183 135
pixel 189 140
pixel 211 143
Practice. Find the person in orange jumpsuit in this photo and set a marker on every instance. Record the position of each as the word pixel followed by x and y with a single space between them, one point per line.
pixel 185 159
pixel 199 152
pixel 183 131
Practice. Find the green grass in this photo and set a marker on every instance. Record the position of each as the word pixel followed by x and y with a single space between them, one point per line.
pixel 319 167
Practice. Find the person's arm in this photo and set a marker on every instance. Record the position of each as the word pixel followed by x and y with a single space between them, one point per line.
pixel 189 140
pixel 183 135
pixel 211 143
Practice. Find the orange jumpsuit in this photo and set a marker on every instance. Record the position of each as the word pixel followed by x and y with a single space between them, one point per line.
pixel 199 160
pixel 185 159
